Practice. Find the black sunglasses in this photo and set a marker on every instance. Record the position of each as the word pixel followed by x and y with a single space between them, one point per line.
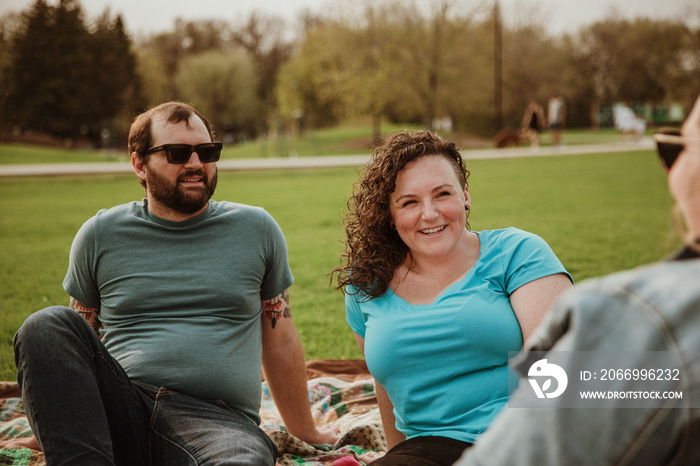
pixel 670 144
pixel 181 153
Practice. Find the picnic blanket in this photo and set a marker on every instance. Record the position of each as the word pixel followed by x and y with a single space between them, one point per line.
pixel 341 394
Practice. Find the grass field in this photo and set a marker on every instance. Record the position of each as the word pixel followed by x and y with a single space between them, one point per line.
pixel 600 213
pixel 348 139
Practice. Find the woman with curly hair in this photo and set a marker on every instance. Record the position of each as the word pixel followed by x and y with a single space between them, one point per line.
pixel 436 307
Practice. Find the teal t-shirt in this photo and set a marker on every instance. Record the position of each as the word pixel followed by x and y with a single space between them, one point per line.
pixel 180 302
pixel 445 364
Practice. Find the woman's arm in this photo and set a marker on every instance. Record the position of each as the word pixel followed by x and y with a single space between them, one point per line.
pixel 386 410
pixel 386 407
pixel 531 301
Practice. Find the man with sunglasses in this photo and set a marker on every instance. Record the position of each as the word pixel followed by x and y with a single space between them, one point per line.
pixel 181 303
pixel 648 318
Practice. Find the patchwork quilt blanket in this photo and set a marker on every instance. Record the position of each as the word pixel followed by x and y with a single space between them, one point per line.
pixel 341 394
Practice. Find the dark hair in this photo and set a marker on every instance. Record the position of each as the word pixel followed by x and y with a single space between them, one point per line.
pixel 373 249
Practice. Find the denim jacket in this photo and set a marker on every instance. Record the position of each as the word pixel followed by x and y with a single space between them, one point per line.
pixel 653 308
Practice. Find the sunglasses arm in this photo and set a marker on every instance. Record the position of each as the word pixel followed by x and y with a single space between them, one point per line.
pixel 674 139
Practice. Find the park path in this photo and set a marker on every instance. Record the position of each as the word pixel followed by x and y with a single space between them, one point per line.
pixel 72 169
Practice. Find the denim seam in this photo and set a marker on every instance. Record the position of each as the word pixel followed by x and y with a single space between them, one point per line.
pixel 136 402
pixel 156 408
pixel 180 447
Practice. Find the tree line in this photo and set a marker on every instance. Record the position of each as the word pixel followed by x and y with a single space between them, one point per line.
pixel 452 61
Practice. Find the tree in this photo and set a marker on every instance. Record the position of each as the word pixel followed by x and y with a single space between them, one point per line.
pixel 116 86
pixel 64 79
pixel 362 37
pixel 429 54
pixel 468 95
pixel 222 86
pixel 534 67
pixel 382 58
pixel 263 38
pixel 9 25
pixel 634 60
pixel 309 89
pixel 156 85
pixel 48 58
pixel 188 38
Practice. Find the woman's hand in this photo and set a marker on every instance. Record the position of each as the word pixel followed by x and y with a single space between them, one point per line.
pixel 324 436
pixel 21 442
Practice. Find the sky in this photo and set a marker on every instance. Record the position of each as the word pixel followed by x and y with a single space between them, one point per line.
pixel 151 16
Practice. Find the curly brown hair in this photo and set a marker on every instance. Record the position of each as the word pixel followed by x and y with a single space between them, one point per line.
pixel 373 249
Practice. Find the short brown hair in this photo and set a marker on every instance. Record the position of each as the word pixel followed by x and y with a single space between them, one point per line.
pixel 140 139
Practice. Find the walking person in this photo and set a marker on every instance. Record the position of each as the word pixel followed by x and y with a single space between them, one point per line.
pixel 556 118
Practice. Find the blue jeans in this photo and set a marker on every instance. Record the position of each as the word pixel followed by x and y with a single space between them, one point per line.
pixel 84 409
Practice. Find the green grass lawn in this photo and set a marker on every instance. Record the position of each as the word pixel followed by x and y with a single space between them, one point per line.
pixel 600 213
pixel 347 139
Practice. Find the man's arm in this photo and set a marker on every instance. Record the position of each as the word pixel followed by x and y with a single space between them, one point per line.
pixel 285 372
pixel 90 314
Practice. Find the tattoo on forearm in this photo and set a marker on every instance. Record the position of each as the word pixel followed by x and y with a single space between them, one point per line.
pixel 277 308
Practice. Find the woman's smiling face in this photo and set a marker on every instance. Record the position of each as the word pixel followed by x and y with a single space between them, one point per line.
pixel 428 206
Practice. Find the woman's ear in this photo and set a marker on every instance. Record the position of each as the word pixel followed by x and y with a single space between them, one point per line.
pixel 467 199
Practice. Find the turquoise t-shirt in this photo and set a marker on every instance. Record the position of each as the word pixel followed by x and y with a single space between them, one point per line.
pixel 445 364
pixel 180 302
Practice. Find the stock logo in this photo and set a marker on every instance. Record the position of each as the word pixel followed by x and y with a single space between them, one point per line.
pixel 546 372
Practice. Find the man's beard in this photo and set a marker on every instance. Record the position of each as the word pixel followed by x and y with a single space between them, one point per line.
pixel 175 197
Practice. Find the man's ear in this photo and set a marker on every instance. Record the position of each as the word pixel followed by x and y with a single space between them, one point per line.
pixel 139 166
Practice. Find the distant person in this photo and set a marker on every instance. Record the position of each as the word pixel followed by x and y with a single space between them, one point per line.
pixel 556 116
pixel 629 123
pixel 651 310
pixel 532 123
pixel 436 307
pixel 177 302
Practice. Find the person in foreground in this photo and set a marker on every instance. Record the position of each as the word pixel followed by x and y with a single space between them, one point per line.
pixel 176 304
pixel 436 307
pixel 655 309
